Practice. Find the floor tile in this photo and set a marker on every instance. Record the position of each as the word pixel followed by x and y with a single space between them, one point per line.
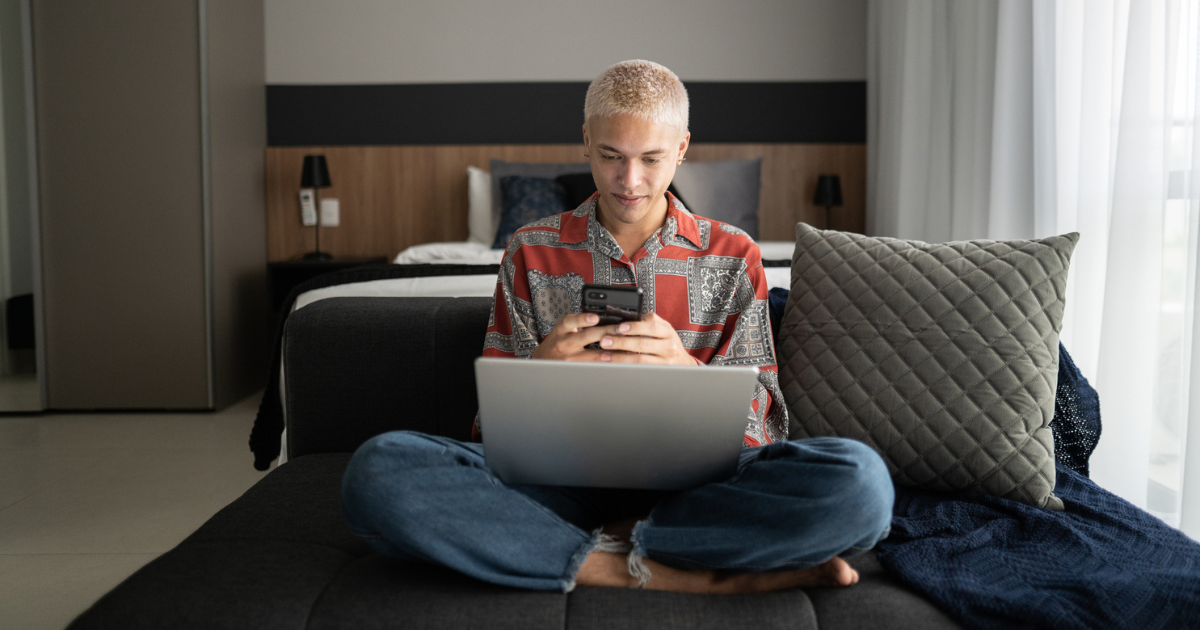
pixel 83 430
pixel 48 591
pixel 229 429
pixel 26 471
pixel 135 501
pixel 20 392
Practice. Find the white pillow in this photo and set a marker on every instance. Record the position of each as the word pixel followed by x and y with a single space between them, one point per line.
pixel 776 250
pixel 463 253
pixel 480 228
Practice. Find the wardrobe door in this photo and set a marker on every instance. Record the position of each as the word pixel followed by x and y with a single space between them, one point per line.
pixel 120 158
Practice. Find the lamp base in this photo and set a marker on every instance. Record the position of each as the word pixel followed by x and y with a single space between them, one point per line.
pixel 317 256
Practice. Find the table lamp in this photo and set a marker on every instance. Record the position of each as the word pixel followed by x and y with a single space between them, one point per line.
pixel 316 177
pixel 829 194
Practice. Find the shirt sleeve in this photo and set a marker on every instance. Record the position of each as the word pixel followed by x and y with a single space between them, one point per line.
pixel 511 325
pixel 747 340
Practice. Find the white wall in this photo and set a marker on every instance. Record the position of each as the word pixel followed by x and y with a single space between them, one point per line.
pixel 442 41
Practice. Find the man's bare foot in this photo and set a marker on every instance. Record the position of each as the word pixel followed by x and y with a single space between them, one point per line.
pixel 602 568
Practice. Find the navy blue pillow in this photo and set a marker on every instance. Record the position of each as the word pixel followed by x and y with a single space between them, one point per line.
pixel 524 200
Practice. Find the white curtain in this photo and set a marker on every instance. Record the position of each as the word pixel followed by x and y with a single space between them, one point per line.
pixel 1022 118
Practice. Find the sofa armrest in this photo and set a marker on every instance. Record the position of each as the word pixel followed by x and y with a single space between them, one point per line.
pixel 357 367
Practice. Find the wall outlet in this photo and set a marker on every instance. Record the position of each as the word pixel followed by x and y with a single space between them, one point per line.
pixel 308 209
pixel 330 214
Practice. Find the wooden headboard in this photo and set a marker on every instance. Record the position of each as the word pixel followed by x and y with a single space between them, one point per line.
pixel 392 197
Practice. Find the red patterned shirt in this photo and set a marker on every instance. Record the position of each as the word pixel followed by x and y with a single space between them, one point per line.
pixel 704 277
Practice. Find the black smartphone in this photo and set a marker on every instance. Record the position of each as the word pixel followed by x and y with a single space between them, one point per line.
pixel 613 304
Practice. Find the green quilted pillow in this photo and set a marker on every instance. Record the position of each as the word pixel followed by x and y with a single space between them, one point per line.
pixel 942 357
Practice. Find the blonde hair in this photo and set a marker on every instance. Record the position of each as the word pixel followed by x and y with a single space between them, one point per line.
pixel 640 88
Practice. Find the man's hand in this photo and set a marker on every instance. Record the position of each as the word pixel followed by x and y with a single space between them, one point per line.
pixel 651 339
pixel 567 339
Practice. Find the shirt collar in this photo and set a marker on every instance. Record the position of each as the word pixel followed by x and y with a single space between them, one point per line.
pixel 679 222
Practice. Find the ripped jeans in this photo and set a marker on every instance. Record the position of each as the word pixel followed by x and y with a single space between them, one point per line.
pixel 790 505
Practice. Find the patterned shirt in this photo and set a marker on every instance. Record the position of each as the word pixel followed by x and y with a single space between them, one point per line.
pixel 705 277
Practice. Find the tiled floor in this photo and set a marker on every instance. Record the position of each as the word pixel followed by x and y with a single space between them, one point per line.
pixel 87 499
pixel 19 392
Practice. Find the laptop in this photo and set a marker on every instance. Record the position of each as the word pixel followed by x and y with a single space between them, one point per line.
pixel 612 426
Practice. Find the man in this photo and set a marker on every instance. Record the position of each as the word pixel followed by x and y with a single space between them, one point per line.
pixel 785 519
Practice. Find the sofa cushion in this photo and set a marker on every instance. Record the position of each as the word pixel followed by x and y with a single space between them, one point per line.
pixel 380 592
pixel 943 357
pixel 358 367
pixel 877 601
pixel 595 608
pixel 300 502
pixel 281 557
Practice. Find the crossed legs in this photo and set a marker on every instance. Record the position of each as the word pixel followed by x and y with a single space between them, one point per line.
pixel 783 520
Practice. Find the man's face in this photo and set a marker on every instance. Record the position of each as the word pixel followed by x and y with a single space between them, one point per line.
pixel 633 161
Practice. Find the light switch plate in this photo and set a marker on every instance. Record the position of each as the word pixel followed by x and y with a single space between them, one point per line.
pixel 330 214
pixel 308 210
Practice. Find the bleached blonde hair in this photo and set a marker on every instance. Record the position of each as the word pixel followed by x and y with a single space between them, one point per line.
pixel 640 88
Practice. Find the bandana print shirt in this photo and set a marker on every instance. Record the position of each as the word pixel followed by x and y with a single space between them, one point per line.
pixel 704 277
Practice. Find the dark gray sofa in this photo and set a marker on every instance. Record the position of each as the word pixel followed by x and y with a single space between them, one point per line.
pixel 281 556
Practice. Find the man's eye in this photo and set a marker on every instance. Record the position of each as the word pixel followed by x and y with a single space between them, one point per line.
pixel 609 157
pixel 653 160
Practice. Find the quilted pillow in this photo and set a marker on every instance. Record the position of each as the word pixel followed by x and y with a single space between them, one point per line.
pixel 525 200
pixel 942 357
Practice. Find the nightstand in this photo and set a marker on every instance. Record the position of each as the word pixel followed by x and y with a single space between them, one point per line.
pixel 284 276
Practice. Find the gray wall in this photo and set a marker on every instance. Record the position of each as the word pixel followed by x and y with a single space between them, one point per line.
pixel 377 41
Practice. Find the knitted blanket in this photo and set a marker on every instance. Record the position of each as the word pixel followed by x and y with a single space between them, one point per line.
pixel 995 563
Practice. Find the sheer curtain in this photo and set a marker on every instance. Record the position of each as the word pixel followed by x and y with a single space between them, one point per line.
pixel 1021 118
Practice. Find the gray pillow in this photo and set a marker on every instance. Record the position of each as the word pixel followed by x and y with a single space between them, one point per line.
pixel 726 191
pixel 942 357
pixel 501 169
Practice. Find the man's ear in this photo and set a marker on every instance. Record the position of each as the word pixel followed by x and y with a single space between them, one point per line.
pixel 683 145
pixel 586 142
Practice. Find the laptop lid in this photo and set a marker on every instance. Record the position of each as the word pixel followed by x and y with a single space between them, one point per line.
pixel 613 426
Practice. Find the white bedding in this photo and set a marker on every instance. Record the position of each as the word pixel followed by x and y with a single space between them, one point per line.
pixel 471 253
pixel 430 286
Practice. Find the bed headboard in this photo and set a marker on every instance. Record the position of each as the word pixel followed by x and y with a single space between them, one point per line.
pixel 392 197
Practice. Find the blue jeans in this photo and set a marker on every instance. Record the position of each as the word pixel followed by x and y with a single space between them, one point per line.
pixel 791 505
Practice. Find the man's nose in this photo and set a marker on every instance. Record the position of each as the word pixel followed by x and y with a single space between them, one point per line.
pixel 631 174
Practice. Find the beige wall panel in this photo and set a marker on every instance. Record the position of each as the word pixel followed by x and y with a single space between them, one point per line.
pixel 119 135
pixel 448 41
pixel 396 196
pixel 238 132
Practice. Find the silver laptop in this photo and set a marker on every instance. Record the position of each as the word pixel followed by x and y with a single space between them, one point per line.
pixel 612 426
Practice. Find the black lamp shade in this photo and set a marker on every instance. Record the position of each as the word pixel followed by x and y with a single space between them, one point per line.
pixel 829 191
pixel 316 173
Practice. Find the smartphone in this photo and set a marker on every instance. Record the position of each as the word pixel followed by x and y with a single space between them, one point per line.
pixel 613 304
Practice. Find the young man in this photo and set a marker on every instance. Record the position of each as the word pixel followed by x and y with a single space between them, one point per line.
pixel 785 519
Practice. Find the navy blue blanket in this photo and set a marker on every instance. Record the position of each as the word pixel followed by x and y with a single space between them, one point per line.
pixel 995 563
